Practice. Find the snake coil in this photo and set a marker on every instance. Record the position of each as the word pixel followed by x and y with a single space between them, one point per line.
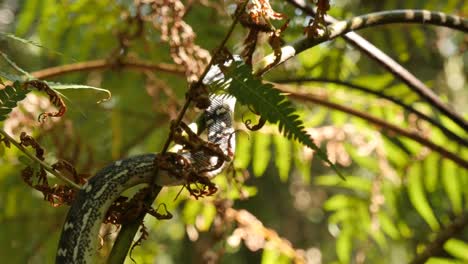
pixel 79 237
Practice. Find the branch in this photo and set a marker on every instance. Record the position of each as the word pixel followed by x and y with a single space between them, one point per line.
pixel 436 247
pixel 105 64
pixel 380 18
pixel 380 94
pixel 42 163
pixel 380 123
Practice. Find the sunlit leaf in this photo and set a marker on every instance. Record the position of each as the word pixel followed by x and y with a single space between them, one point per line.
pixel 270 256
pixel 342 215
pixel 207 215
pixel 338 118
pixel 283 156
pixel 388 226
pixel 59 86
pixel 344 246
pixel 361 160
pixel 418 197
pixel 431 171
pixel 379 238
pixel 317 117
pixel 457 248
pixel 301 162
pixel 340 201
pixel 352 182
pixel 191 210
pixel 374 81
pixel 243 152
pixel 442 261
pixel 451 182
pixel 261 153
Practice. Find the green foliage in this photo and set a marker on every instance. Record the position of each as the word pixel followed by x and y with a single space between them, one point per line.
pixel 457 248
pixel 60 86
pixel 418 197
pixel 261 153
pixel 268 103
pixel 9 97
pixel 283 152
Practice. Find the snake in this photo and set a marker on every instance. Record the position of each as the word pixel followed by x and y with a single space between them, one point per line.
pixel 79 237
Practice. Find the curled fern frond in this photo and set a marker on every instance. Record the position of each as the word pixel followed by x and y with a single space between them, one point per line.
pixel 9 97
pixel 270 103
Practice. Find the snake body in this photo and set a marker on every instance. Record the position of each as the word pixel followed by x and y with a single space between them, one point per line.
pixel 79 237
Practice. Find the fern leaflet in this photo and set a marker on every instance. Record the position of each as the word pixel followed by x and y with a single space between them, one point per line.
pixel 271 104
pixel 9 97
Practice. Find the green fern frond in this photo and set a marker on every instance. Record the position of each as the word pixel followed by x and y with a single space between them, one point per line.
pixel 271 104
pixel 9 97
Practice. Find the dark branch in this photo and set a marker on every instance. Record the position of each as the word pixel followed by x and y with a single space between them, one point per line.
pixel 380 94
pixel 436 247
pixel 380 123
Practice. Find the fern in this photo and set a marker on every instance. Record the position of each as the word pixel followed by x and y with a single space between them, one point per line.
pixel 271 104
pixel 9 97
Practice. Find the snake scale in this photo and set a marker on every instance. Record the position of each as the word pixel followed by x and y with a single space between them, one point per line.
pixel 79 237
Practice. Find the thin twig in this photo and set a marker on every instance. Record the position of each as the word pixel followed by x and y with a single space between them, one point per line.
pixel 381 94
pixel 42 163
pixel 105 64
pixel 436 247
pixel 381 123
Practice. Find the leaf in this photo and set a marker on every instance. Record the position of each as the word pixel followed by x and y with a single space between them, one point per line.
pixel 191 210
pixel 270 256
pixel 379 238
pixel 59 86
pixel 243 153
pixel 270 103
pixel 395 151
pixel 27 16
pixel 283 156
pixel 301 162
pixel 388 226
pixel 434 260
pixel 22 40
pixel 25 160
pixel 365 161
pixel 418 197
pixel 9 97
pixel 208 214
pixel 457 248
pixel 261 153
pixel 376 81
pixel 340 201
pixel 317 117
pixel 431 171
pixel 344 246
pixel 10 76
pixel 14 66
pixel 352 182
pixel 451 182
pixel 341 216
pixel 338 118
